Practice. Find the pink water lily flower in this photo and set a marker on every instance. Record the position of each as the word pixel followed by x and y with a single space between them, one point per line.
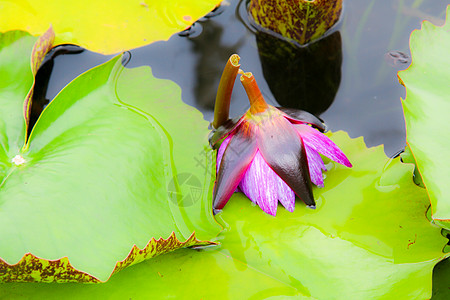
pixel 271 154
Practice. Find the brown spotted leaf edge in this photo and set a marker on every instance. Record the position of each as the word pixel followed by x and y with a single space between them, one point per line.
pixel 34 269
pixel 298 20
pixel 40 49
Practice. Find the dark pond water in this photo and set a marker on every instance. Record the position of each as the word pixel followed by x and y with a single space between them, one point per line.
pixel 348 78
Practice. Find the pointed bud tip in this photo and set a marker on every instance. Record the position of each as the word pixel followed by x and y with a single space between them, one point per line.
pixel 311 206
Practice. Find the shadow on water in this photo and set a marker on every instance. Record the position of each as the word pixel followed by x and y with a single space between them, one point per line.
pixel 40 93
pixel 211 53
pixel 350 79
pixel 305 78
pixel 60 66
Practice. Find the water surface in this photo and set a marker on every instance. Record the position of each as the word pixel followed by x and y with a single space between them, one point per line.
pixel 352 81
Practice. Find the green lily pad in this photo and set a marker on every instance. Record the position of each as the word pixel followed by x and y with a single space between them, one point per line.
pixel 115 164
pixel 105 27
pixel 369 238
pixel 369 235
pixel 425 108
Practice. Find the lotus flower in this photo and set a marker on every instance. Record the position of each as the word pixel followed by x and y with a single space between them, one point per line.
pixel 271 154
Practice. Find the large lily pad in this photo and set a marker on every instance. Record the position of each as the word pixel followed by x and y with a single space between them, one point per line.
pixel 426 107
pixel 109 169
pixel 369 225
pixel 368 239
pixel 105 27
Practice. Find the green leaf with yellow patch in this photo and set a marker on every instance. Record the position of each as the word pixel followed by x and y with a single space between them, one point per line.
pixel 105 27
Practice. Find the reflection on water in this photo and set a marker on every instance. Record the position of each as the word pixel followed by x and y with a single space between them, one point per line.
pixel 304 78
pixel 366 104
pixel 41 96
pixel 211 52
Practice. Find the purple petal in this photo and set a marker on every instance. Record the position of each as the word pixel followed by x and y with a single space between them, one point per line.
pixel 221 150
pixel 264 187
pixel 316 165
pixel 235 161
pixel 283 151
pixel 321 143
pixel 286 195
pixel 297 115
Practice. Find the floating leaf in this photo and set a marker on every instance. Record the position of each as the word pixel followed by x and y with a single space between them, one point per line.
pixel 105 27
pixel 369 226
pixel 106 168
pixel 425 108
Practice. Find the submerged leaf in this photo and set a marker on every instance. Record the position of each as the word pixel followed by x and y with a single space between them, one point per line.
pixel 105 27
pixel 105 170
pixel 441 280
pixel 426 107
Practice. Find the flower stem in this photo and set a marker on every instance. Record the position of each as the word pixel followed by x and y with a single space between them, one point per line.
pixel 257 102
pixel 223 97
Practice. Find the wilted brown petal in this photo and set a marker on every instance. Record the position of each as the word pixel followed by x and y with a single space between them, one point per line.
pixel 297 115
